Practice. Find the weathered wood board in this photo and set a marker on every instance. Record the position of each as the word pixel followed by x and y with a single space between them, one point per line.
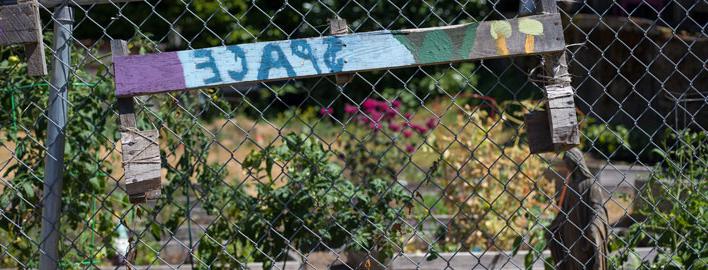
pixel 301 58
pixel 141 161
pixel 538 132
pixel 20 24
pixel 17 24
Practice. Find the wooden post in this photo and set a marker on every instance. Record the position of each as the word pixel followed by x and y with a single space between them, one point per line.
pixel 141 150
pixel 562 120
pixel 20 24
pixel 338 26
pixel 539 132
pixel 578 234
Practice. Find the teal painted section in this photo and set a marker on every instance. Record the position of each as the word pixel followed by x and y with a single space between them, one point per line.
pixel 470 36
pixel 437 47
pixel 441 45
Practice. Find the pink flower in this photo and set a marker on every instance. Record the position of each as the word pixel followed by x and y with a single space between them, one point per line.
pixel 410 148
pixel 407 133
pixel 408 116
pixel 326 111
pixel 376 116
pixel 418 128
pixel 350 109
pixel 375 126
pixel 394 127
pixel 396 103
pixel 390 113
pixel 382 106
pixel 432 123
pixel 370 105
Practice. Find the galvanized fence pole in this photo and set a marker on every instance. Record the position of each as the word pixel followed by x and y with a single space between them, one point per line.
pixel 57 114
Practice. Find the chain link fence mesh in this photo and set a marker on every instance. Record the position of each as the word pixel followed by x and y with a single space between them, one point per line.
pixel 417 168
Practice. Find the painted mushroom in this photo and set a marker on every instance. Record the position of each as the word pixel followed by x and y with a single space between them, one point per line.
pixel 501 30
pixel 531 28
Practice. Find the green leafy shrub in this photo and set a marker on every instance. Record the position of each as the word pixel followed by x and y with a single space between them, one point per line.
pixel 674 205
pixel 301 200
pixel 90 130
pixel 500 196
pixel 604 139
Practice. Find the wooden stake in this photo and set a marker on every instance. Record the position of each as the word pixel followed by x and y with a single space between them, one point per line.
pixel 338 26
pixel 563 122
pixel 538 132
pixel 20 24
pixel 141 150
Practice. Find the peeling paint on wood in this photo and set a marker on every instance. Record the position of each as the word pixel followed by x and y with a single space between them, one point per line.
pixel 301 58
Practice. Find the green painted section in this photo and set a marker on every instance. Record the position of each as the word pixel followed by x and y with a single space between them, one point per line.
pixel 440 45
pixel 436 47
pixel 530 27
pixel 468 42
pixel 500 29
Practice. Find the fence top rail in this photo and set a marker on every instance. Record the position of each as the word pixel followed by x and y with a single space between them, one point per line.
pixel 54 3
pixel 319 56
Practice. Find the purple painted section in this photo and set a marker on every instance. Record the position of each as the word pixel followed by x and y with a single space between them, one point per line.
pixel 146 74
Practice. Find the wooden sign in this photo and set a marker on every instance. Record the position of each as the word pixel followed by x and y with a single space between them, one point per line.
pixel 339 55
pixel 20 24
pixel 301 58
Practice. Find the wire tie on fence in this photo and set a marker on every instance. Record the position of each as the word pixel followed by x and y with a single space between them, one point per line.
pixel 575 44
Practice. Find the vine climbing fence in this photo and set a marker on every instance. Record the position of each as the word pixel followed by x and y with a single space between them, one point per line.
pixel 422 167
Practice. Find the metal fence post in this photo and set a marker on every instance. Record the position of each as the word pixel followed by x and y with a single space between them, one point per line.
pixel 57 114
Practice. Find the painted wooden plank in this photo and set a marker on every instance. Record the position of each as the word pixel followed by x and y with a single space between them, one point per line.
pixel 7 2
pixel 301 58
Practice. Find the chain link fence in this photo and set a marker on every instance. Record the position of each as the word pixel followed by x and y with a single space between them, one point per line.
pixel 415 168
